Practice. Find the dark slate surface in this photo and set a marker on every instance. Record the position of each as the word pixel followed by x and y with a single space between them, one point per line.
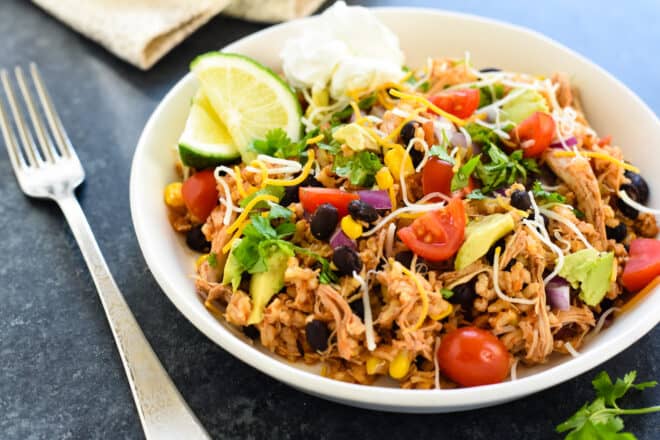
pixel 60 376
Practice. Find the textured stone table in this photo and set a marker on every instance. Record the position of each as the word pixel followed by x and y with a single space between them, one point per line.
pixel 60 375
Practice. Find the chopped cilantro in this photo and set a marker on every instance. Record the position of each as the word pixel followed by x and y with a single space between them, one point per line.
pixel 475 195
pixel 489 94
pixel 502 169
pixel 212 260
pixel 462 176
pixel 270 190
pixel 446 293
pixel 579 214
pixel 279 211
pixel 277 143
pixel 360 168
pixel 551 197
pixel 424 87
pixel 441 152
pixel 481 135
pixel 601 419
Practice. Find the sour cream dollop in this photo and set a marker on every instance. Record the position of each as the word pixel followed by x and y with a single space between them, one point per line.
pixel 347 48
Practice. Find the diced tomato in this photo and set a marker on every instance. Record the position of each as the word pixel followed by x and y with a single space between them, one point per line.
pixel 534 134
pixel 643 265
pixel 312 197
pixel 605 141
pixel 471 356
pixel 200 194
pixel 459 102
pixel 436 236
pixel 436 176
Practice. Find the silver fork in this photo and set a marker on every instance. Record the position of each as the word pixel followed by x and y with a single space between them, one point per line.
pixel 49 168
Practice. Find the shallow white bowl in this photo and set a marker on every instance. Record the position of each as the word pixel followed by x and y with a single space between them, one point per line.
pixel 610 106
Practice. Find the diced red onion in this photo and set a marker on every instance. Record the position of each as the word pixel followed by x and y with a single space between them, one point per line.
pixel 379 199
pixel 458 139
pixel 340 239
pixel 558 293
pixel 568 141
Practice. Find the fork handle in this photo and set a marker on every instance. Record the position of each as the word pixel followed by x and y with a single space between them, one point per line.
pixel 163 412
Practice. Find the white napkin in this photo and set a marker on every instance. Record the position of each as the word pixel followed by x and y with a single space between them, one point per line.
pixel 143 31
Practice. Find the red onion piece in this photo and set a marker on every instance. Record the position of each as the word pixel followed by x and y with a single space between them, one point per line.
pixel 341 239
pixel 458 139
pixel 568 141
pixel 379 199
pixel 558 293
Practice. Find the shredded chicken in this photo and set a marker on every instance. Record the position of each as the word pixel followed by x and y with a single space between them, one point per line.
pixel 349 328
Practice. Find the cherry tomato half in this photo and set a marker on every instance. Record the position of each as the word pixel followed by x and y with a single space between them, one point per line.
pixel 436 236
pixel 200 194
pixel 471 356
pixel 459 102
pixel 436 176
pixel 643 265
pixel 311 198
pixel 535 134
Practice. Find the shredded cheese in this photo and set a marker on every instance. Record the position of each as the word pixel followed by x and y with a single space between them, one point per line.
pixel 403 210
pixel 428 104
pixel 227 247
pixel 598 155
pixel 554 216
pixel 227 200
pixel 298 180
pixel 395 133
pixel 423 295
pixel 496 283
pixel 389 240
pixel 263 168
pixel 638 206
pixel 315 139
pixel 603 317
pixel 571 350
pixel 246 211
pixel 538 224
pixel 514 370
pixel 239 182
pixel 368 319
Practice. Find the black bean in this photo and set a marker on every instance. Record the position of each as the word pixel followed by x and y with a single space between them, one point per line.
pixel 520 199
pixel 408 132
pixel 357 307
pixel 346 260
pixel 618 233
pixel 291 192
pixel 416 156
pixel 317 335
pixel 324 221
pixel 196 240
pixel 489 69
pixel 361 210
pixel 464 294
pixel 404 257
pixel 490 255
pixel 251 331
pixel 626 209
pixel 640 186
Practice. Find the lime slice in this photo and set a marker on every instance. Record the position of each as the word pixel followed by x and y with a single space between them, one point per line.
pixel 248 97
pixel 205 141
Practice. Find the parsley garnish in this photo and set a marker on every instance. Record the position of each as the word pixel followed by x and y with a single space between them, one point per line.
pixel 360 168
pixel 277 143
pixel 462 176
pixel 503 169
pixel 551 197
pixel 601 419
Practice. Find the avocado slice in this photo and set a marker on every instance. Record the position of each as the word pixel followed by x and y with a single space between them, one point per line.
pixel 264 285
pixel 233 269
pixel 523 106
pixel 480 235
pixel 591 271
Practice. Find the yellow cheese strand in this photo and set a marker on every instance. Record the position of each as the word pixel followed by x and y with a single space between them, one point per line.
pixel 356 109
pixel 239 181
pixel 422 294
pixel 246 211
pixel 395 133
pixel 597 155
pixel 315 139
pixel 264 171
pixel 226 248
pixel 428 104
pixel 298 180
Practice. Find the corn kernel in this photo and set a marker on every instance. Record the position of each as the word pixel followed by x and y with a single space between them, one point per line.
pixel 384 178
pixel 350 227
pixel 400 365
pixel 394 158
pixel 376 366
pixel 174 196
pixel 200 260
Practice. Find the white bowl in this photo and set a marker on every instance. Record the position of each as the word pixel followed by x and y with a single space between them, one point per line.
pixel 610 106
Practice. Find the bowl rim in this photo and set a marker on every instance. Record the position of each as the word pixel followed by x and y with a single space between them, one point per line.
pixel 374 396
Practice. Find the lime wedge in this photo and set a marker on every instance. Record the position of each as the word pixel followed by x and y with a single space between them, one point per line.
pixel 205 141
pixel 248 97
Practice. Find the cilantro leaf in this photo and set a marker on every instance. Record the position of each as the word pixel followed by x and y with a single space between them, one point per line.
pixel 212 259
pixel 277 143
pixel 489 94
pixel 279 211
pixel 475 195
pixel 552 197
pixel 360 168
pixel 447 293
pixel 462 176
pixel 285 229
pixel 502 169
pixel 481 135
pixel 601 419
pixel 441 152
pixel 270 190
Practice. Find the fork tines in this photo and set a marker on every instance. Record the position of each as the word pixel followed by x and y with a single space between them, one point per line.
pixel 51 140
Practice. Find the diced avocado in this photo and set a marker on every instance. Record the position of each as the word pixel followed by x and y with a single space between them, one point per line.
pixel 355 137
pixel 591 271
pixel 233 270
pixel 264 285
pixel 523 106
pixel 480 235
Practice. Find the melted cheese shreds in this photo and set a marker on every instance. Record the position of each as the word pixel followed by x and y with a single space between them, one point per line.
pixel 633 204
pixel 298 180
pixel 554 216
pixel 422 294
pixel 428 104
pixel 496 283
pixel 368 319
pixel 598 155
